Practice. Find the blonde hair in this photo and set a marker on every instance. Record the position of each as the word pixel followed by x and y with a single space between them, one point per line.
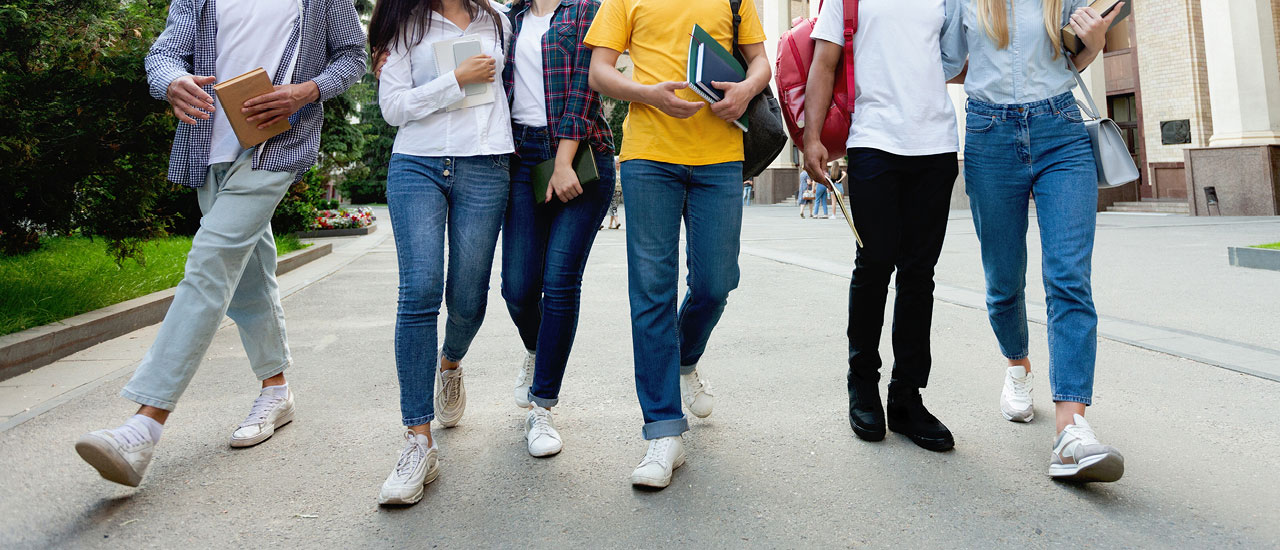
pixel 992 14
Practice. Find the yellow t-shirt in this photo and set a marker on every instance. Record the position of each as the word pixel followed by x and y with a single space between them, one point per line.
pixel 656 33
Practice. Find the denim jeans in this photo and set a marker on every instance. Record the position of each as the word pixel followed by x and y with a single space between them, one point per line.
pixel 820 200
pixel 1037 150
pixel 544 253
pixel 429 197
pixel 231 270
pixel 900 205
pixel 667 342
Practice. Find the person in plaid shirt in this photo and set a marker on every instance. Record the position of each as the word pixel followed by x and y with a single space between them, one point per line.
pixel 546 239
pixel 232 263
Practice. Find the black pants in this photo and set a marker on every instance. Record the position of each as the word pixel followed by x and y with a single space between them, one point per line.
pixel 900 206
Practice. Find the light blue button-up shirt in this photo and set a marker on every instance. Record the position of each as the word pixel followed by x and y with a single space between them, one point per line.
pixel 1023 72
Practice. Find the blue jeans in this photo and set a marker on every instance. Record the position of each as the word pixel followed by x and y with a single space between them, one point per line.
pixel 820 200
pixel 544 253
pixel 230 270
pixel 1037 150
pixel 667 342
pixel 424 195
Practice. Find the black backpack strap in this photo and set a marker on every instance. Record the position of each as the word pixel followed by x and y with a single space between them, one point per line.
pixel 735 5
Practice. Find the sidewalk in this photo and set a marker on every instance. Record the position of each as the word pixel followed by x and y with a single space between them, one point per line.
pixel 776 464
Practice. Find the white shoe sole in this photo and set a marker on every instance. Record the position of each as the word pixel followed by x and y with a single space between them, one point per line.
pixel 104 458
pixel 658 483
pixel 414 498
pixel 264 435
pixel 1017 417
pixel 1104 468
pixel 547 453
pixel 522 397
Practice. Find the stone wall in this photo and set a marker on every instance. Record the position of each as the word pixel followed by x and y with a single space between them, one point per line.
pixel 1171 67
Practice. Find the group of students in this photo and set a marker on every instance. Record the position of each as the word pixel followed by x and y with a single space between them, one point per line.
pixel 458 178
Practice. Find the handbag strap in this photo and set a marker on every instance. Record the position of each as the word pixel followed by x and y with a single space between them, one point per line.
pixel 1092 108
pixel 735 5
pixel 850 27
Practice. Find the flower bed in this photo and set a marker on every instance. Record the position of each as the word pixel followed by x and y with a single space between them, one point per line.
pixel 343 218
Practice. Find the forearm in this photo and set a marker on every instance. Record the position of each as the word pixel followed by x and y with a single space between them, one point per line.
pixel 607 80
pixel 758 73
pixel 1084 58
pixel 565 151
pixel 817 94
pixel 342 73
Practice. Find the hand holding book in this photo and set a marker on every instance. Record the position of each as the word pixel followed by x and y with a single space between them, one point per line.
pixel 662 96
pixel 273 108
pixel 736 97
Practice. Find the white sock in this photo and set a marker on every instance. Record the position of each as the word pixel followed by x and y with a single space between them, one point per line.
pixel 282 390
pixel 423 440
pixel 147 426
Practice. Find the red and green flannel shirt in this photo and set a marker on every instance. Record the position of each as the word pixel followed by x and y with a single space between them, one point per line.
pixel 573 108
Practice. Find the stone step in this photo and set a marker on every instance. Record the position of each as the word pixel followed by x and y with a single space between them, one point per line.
pixel 1148 209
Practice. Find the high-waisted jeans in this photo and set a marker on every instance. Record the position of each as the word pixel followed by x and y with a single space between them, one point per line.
pixel 1037 150
pixel 430 198
pixel 231 270
pixel 544 253
pixel 668 342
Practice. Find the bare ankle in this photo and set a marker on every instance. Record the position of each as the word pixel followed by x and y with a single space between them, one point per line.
pixel 277 380
pixel 154 413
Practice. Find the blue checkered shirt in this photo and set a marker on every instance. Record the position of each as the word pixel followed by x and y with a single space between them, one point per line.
pixel 332 54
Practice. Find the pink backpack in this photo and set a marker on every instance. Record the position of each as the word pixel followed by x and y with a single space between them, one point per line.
pixel 795 54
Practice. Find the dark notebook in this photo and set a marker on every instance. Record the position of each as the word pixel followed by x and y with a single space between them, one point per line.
pixel 1104 8
pixel 584 164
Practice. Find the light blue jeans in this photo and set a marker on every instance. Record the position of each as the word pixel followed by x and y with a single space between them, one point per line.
pixel 429 197
pixel 668 342
pixel 1037 150
pixel 231 270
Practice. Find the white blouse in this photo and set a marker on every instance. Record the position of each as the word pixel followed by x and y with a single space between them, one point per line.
pixel 414 96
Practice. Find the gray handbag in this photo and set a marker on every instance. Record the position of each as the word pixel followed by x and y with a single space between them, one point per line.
pixel 1115 164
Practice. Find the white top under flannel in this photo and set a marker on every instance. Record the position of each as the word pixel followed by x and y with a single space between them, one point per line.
pixel 331 53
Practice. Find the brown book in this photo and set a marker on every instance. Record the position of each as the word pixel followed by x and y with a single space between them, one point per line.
pixel 233 93
pixel 1103 7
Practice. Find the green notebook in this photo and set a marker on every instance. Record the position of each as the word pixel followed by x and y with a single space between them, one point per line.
pixel 584 164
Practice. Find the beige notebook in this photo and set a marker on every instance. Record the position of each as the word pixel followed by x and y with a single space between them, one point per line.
pixel 1103 7
pixel 233 93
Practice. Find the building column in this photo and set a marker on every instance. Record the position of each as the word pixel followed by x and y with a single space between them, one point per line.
pixel 1244 77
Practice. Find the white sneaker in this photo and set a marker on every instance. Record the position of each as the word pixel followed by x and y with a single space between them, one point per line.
pixel 451 397
pixel 1079 456
pixel 270 411
pixel 418 466
pixel 665 454
pixel 1015 398
pixel 696 394
pixel 524 380
pixel 120 454
pixel 540 433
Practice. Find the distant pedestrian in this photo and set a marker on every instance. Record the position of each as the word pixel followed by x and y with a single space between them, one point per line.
pixel 804 196
pixel 614 221
pixel 820 201
pixel 748 187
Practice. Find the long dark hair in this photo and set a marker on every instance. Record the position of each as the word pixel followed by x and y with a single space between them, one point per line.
pixel 407 21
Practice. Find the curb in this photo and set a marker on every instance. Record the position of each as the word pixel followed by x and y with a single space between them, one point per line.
pixel 336 232
pixel 36 347
pixel 1256 258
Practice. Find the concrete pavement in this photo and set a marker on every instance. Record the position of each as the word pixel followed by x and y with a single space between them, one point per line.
pixel 776 464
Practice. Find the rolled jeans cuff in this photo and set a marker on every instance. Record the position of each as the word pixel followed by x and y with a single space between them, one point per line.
pixel 148 401
pixel 1086 401
pixel 543 402
pixel 419 420
pixel 665 428
pixel 277 370
pixel 688 369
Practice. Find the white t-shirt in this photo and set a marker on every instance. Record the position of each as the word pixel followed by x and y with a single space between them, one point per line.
pixel 901 104
pixel 251 34
pixel 529 100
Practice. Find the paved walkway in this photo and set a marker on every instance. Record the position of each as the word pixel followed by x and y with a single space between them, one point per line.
pixel 775 466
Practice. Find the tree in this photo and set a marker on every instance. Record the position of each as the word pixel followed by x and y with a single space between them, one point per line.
pixel 367 182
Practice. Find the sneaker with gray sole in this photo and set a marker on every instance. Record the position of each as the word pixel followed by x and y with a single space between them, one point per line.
pixel 1015 399
pixel 1079 456
pixel 451 397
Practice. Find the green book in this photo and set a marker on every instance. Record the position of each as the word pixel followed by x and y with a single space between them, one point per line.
pixel 584 164
pixel 701 47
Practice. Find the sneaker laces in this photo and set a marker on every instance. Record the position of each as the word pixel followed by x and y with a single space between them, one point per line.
pixel 451 385
pixel 130 435
pixel 1021 387
pixel 541 423
pixel 698 385
pixel 657 452
pixel 412 454
pixel 525 376
pixel 262 406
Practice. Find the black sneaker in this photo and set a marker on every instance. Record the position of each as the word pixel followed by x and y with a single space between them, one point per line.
pixel 908 417
pixel 866 415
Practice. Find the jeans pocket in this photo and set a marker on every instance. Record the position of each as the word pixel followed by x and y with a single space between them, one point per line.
pixel 501 162
pixel 975 123
pixel 1071 114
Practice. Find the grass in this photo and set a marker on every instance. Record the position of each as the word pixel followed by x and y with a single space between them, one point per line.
pixel 1272 246
pixel 72 275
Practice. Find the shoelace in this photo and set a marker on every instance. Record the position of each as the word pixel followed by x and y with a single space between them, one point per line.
pixel 541 423
pixel 261 408
pixel 451 384
pixel 526 372
pixel 410 456
pixel 131 436
pixel 1021 388
pixel 657 452
pixel 698 385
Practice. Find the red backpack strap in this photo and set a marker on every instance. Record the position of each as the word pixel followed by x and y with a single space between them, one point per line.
pixel 850 27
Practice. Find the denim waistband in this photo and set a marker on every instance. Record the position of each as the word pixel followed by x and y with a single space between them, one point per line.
pixel 1052 105
pixel 521 132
